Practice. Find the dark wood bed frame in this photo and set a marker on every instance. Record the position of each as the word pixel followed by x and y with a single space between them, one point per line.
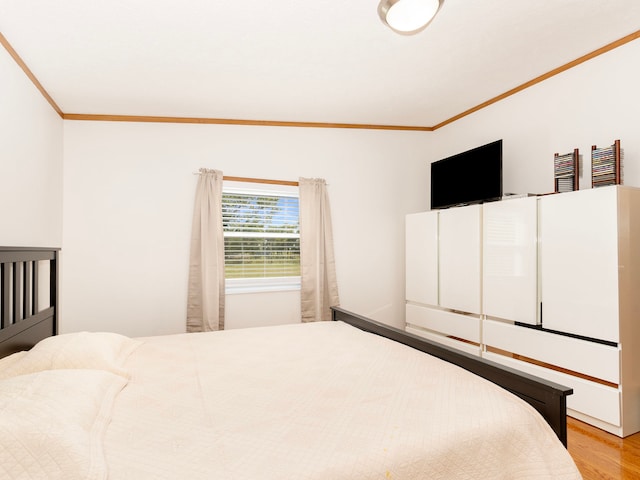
pixel 23 324
pixel 548 398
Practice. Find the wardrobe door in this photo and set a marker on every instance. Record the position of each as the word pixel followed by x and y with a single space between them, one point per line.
pixel 460 259
pixel 421 230
pixel 579 263
pixel 510 260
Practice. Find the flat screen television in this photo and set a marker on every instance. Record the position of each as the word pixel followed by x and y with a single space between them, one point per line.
pixel 474 176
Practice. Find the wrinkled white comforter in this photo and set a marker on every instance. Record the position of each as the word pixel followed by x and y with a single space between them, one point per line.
pixel 317 401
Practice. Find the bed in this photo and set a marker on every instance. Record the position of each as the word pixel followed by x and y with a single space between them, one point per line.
pixel 348 399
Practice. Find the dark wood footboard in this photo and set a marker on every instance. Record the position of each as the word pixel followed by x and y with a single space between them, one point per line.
pixel 28 308
pixel 548 398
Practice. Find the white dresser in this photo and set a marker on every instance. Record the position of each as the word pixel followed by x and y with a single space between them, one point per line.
pixel 548 285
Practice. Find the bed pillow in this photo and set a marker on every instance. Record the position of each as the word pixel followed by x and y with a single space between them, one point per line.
pixel 7 362
pixel 52 424
pixel 83 350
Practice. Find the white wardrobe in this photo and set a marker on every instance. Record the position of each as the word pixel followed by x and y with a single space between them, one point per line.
pixel 548 285
pixel 443 284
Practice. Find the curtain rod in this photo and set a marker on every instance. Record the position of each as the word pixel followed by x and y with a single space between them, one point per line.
pixel 258 180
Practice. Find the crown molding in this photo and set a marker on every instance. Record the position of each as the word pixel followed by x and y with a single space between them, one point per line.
pixel 5 43
pixel 274 123
pixel 607 48
pixel 230 121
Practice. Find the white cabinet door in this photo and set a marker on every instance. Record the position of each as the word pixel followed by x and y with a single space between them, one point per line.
pixel 460 260
pixel 579 262
pixel 510 260
pixel 421 230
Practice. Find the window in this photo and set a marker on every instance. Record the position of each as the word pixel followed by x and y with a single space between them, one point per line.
pixel 261 238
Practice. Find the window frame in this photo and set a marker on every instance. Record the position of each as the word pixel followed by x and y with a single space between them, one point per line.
pixel 260 284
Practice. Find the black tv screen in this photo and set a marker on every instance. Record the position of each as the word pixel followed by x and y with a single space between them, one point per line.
pixel 473 176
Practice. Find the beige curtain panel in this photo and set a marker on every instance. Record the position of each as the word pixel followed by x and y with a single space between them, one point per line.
pixel 205 303
pixel 319 288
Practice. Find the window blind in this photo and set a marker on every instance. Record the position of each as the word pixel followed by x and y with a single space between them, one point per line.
pixel 261 235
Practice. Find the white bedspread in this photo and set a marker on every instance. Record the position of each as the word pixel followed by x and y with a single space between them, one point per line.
pixel 317 401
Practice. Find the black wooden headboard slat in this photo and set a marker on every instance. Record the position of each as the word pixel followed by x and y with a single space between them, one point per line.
pixel 5 296
pixel 23 321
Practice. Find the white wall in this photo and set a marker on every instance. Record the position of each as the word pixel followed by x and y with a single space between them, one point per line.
pixel 128 193
pixel 30 162
pixel 128 202
pixel 594 103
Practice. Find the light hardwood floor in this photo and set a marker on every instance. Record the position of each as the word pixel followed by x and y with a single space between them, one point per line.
pixel 600 455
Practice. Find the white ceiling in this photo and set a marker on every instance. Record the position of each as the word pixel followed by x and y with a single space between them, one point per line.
pixel 298 60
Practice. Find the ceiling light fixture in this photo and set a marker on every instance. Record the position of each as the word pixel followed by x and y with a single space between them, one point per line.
pixel 408 17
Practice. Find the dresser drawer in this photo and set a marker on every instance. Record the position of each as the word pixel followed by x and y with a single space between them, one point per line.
pixel 589 398
pixel 588 358
pixel 444 322
pixel 471 348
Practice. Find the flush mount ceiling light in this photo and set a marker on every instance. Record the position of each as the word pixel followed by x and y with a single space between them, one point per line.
pixel 408 16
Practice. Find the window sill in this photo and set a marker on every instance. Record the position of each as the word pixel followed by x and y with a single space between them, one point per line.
pixel 236 286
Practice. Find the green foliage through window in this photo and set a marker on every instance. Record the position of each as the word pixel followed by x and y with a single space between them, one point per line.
pixel 261 235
